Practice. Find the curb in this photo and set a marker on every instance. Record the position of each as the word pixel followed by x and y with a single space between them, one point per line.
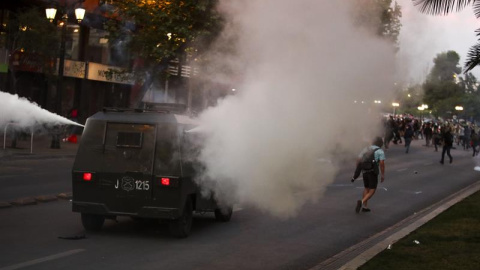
pixel 65 195
pixel 35 156
pixel 46 198
pixel 430 213
pixel 35 200
pixel 24 201
pixel 5 205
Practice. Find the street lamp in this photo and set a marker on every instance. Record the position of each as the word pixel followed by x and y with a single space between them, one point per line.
pixel 421 108
pixel 50 14
pixel 395 104
pixel 460 108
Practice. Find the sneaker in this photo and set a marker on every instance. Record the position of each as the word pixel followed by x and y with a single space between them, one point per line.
pixel 359 206
pixel 366 210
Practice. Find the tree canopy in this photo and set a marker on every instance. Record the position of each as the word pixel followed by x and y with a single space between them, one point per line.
pixel 443 7
pixel 445 67
pixel 381 17
pixel 444 89
pixel 157 31
pixel 32 34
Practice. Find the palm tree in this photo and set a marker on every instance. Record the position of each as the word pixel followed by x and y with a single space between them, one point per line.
pixel 443 7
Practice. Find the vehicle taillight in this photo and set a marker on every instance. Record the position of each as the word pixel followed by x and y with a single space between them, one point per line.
pixel 87 176
pixel 165 181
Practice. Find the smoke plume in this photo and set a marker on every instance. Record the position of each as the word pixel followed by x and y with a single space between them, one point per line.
pixel 26 114
pixel 309 81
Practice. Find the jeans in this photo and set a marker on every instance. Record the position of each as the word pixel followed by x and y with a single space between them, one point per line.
pixel 407 144
pixel 446 149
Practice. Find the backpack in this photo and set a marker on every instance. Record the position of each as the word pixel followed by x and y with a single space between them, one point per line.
pixel 369 163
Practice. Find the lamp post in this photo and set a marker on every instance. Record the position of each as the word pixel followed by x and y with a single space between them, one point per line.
pixel 459 109
pixel 421 108
pixel 395 104
pixel 50 14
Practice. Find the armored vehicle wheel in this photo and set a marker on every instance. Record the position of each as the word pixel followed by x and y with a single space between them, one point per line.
pixel 223 215
pixel 92 222
pixel 181 227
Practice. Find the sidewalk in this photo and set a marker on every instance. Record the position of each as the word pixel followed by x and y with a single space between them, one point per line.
pixel 38 148
pixel 390 236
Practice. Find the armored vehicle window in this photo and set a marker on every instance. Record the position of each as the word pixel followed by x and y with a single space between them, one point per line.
pixel 129 139
pixel 129 147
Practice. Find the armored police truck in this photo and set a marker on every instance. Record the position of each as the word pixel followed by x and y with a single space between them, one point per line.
pixel 138 163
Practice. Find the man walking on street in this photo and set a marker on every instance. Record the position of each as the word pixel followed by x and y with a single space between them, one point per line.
pixel 428 132
pixel 370 176
pixel 447 144
pixel 474 142
pixel 408 136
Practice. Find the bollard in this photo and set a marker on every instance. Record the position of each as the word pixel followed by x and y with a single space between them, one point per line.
pixel 14 140
pixel 55 138
pixel 31 142
pixel 5 136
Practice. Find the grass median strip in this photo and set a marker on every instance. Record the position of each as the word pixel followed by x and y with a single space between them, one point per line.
pixel 449 241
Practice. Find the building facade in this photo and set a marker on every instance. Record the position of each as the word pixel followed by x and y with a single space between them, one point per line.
pixel 87 83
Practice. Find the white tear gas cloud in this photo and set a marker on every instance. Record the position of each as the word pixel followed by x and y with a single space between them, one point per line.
pixel 26 114
pixel 303 64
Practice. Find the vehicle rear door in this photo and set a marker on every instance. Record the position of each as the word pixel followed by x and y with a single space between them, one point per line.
pixel 126 177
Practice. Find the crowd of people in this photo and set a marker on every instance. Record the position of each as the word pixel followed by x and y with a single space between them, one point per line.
pixel 444 134
pixel 398 130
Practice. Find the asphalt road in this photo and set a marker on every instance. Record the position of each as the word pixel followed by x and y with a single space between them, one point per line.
pixel 251 240
pixel 32 177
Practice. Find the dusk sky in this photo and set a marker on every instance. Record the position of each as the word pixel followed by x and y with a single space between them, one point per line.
pixel 424 36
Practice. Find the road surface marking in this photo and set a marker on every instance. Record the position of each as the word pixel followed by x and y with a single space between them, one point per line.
pixel 44 259
pixel 427 164
pixel 411 192
pixel 401 170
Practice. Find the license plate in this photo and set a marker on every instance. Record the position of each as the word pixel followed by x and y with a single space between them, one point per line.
pixel 128 183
